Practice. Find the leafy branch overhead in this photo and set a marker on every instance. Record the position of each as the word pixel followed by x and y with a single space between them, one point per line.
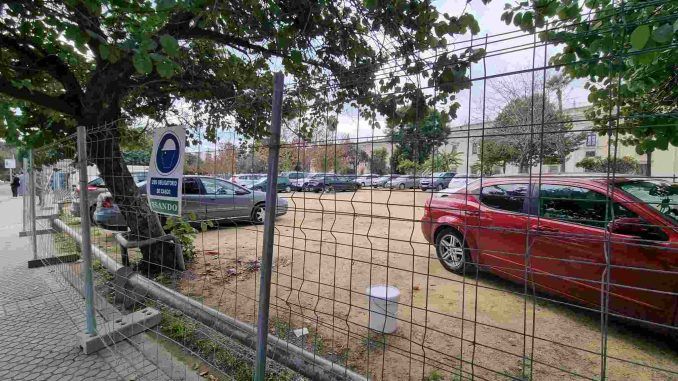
pixel 96 61
pixel 626 52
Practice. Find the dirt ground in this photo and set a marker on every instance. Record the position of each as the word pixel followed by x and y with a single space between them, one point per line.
pixel 328 250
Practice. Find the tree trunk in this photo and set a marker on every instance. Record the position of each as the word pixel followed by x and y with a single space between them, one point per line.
pixel 562 163
pixel 104 151
pixel 648 168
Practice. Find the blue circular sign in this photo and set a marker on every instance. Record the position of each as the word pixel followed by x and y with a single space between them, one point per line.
pixel 167 157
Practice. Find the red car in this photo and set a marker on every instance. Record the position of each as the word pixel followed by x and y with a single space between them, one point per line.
pixel 576 232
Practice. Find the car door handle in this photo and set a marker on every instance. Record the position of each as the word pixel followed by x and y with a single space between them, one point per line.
pixel 473 213
pixel 547 229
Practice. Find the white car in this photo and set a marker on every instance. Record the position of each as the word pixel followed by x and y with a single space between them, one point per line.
pixel 365 180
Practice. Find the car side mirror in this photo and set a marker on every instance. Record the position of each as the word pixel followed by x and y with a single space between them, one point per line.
pixel 636 227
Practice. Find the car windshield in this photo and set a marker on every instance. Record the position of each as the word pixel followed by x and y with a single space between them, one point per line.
pixel 460 182
pixel 660 195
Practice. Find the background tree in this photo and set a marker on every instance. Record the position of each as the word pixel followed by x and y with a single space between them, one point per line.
pixel 417 135
pixel 102 63
pixel 625 165
pixel 378 162
pixel 442 162
pixel 626 51
pixel 493 153
pixel 534 130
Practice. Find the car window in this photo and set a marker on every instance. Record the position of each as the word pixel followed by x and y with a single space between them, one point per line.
pixel 508 197
pixel 283 180
pixel 98 182
pixel 578 205
pixel 191 186
pixel 139 177
pixel 218 187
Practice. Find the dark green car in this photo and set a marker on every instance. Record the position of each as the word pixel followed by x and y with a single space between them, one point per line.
pixel 284 185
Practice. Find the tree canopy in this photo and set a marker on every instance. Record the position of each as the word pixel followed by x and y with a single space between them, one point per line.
pixel 104 63
pixel 96 61
pixel 626 52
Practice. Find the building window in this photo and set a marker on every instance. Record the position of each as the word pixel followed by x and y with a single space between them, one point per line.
pixel 591 139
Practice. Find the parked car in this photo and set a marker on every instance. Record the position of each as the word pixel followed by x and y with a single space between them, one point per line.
pixel 331 183
pixel 95 187
pixel 365 180
pixel 405 181
pixel 302 184
pixel 437 180
pixel 209 198
pixel 283 185
pixel 384 181
pixel 461 181
pixel 247 179
pixel 578 231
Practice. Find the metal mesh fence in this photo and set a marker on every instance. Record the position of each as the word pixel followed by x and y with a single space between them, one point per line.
pixel 478 248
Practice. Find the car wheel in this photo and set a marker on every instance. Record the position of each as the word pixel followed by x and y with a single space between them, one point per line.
pixel 362 184
pixel 258 214
pixel 401 186
pixel 288 189
pixel 327 189
pixel 452 251
pixel 439 187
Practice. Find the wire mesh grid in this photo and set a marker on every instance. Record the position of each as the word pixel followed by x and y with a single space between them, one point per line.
pixel 403 252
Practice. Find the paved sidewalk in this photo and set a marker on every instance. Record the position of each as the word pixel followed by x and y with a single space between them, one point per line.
pixel 41 315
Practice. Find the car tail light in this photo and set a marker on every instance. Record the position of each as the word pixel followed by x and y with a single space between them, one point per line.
pixel 91 188
pixel 107 203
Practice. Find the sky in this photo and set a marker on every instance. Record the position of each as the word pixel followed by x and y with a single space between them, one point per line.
pixel 502 58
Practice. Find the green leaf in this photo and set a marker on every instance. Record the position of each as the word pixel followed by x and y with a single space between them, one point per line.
pixel 147 44
pixel 165 68
pixel 370 4
pixel 675 26
pixel 295 55
pixel 663 33
pixel 104 51
pixel 142 63
pixel 169 45
pixel 114 54
pixel 640 36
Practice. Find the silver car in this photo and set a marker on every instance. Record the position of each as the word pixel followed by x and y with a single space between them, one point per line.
pixel 405 181
pixel 365 180
pixel 94 188
pixel 208 198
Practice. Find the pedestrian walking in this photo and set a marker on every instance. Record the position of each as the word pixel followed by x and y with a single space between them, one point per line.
pixel 15 185
pixel 23 184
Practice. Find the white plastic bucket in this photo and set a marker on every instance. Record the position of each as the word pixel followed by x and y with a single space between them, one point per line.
pixel 383 308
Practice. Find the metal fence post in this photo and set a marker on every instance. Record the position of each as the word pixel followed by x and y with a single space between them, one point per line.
pixel 269 224
pixel 31 189
pixel 86 247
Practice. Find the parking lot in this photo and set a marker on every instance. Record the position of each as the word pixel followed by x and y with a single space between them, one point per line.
pixel 330 247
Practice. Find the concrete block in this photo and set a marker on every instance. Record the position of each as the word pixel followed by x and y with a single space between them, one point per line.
pixel 119 329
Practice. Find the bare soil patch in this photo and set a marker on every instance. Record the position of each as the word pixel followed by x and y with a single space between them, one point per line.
pixel 330 248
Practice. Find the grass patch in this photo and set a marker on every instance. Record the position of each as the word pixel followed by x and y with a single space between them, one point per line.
pixel 374 341
pixel 435 375
pixel 65 244
pixel 184 331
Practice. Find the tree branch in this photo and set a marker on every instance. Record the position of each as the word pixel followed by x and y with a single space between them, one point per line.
pixel 36 97
pixel 90 24
pixel 49 63
pixel 180 27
